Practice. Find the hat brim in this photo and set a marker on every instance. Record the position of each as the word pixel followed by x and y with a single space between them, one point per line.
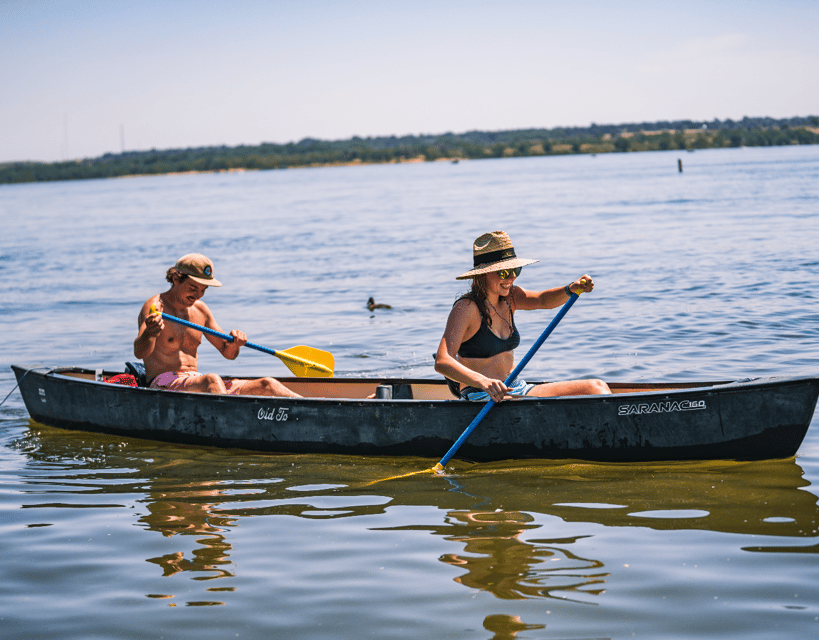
pixel 213 282
pixel 512 263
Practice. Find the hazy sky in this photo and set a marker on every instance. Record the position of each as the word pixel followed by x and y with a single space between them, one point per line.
pixel 82 78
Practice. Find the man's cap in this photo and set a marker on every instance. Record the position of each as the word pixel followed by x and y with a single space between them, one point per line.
pixel 198 268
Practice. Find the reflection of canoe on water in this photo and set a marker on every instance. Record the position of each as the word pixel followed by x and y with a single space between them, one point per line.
pixel 749 420
pixel 513 529
pixel 193 489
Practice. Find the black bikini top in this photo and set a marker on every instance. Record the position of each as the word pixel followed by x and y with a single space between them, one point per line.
pixel 485 344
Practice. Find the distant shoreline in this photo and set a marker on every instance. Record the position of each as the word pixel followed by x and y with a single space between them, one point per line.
pixel 474 145
pixel 352 163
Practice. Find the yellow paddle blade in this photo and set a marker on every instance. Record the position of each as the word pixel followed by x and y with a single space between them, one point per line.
pixel 403 475
pixel 308 362
pixel 438 470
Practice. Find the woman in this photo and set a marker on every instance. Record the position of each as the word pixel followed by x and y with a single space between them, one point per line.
pixel 477 349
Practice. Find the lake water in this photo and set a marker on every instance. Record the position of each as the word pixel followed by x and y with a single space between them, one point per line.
pixel 705 274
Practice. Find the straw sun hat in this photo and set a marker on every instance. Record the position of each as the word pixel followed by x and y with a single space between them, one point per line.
pixel 493 252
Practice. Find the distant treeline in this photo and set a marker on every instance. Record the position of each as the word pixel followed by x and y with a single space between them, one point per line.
pixel 653 136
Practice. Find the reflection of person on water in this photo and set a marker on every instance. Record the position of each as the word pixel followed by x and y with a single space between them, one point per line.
pixel 191 509
pixel 477 349
pixel 499 560
pixel 169 350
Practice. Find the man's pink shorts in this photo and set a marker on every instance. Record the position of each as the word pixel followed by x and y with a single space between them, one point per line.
pixel 179 380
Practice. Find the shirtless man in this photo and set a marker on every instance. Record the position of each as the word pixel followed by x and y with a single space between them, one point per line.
pixel 169 349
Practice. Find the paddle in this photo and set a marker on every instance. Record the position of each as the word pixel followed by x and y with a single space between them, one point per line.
pixel 491 403
pixel 302 361
pixel 509 380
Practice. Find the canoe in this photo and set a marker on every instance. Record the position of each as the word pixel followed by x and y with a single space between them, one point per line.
pixel 751 419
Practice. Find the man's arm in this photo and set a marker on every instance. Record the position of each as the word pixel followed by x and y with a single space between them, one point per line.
pixel 229 350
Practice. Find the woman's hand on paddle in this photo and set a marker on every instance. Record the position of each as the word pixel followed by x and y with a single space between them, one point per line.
pixel 584 284
pixel 495 388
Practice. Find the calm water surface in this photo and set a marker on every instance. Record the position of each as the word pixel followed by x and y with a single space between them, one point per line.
pixel 705 274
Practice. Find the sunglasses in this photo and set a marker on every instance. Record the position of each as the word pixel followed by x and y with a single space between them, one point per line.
pixel 507 273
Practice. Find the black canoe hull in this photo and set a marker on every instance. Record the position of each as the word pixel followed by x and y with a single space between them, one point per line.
pixel 749 420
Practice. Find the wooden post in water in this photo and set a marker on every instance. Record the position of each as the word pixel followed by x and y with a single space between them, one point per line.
pixel 679 165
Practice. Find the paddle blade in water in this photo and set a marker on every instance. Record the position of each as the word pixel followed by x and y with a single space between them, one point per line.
pixel 308 362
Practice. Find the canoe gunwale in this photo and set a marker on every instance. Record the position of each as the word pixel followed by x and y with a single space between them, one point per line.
pixel 619 389
pixel 663 421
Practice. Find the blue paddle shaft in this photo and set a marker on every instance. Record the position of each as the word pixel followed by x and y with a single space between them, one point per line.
pixel 512 377
pixel 218 334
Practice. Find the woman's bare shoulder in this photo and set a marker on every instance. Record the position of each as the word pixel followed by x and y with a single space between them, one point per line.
pixel 465 307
